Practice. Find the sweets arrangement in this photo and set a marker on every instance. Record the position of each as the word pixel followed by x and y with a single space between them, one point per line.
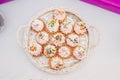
pixel 58 39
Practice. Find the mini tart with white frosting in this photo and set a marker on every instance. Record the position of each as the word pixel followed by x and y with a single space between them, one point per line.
pixel 52 26
pixel 42 37
pixel 80 28
pixel 64 52
pixel 73 40
pixel 79 53
pixel 50 51
pixel 37 25
pixel 58 39
pixel 59 14
pixel 67 25
pixel 35 49
pixel 56 63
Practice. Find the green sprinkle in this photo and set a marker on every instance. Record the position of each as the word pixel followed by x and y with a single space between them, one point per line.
pixel 52 23
pixel 58 37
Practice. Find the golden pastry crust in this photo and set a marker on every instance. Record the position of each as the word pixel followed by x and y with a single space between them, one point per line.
pixel 37 25
pixel 64 52
pixel 56 63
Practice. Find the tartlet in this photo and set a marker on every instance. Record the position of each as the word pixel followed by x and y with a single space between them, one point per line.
pixel 50 51
pixel 64 52
pixel 58 39
pixel 79 53
pixel 56 63
pixel 35 49
pixel 80 28
pixel 37 25
pixel 42 37
pixel 59 14
pixel 73 40
pixel 66 26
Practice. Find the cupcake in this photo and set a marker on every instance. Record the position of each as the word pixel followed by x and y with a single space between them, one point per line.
pixel 35 49
pixel 79 53
pixel 64 52
pixel 52 26
pixel 66 26
pixel 56 63
pixel 59 15
pixel 80 28
pixel 37 25
pixel 58 39
pixel 42 37
pixel 73 40
pixel 50 51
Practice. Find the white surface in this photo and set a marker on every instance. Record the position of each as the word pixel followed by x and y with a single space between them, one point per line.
pixel 102 64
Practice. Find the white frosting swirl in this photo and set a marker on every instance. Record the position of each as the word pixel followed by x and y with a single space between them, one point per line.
pixel 59 14
pixel 79 53
pixel 56 63
pixel 64 52
pixel 49 50
pixel 42 37
pixel 35 49
pixel 58 39
pixel 80 28
pixel 67 26
pixel 73 40
pixel 52 26
pixel 37 25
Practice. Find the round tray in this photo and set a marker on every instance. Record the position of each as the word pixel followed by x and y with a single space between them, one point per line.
pixel 42 61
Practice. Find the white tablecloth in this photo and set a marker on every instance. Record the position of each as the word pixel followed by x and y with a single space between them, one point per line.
pixel 102 64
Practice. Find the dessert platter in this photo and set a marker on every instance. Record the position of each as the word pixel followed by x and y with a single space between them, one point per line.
pixel 56 40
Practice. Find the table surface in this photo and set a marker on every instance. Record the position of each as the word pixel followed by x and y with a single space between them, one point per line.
pixel 102 64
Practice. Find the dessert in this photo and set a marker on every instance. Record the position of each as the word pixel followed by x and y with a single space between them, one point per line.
pixel 79 53
pixel 56 63
pixel 72 40
pixel 35 49
pixel 50 51
pixel 59 14
pixel 66 26
pixel 64 52
pixel 80 28
pixel 37 25
pixel 58 39
pixel 42 37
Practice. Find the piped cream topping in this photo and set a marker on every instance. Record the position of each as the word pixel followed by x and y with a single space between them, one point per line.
pixel 79 53
pixel 37 25
pixel 59 15
pixel 42 37
pixel 64 52
pixel 52 26
pixel 50 50
pixel 67 26
pixel 58 39
pixel 73 40
pixel 56 63
pixel 80 28
pixel 35 49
